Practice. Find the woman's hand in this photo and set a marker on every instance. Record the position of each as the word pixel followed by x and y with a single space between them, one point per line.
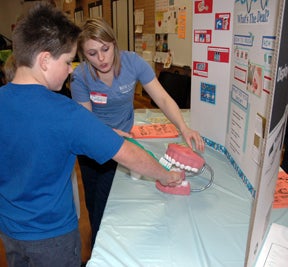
pixel 189 135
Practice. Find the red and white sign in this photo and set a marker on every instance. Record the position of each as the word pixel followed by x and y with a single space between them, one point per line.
pixel 218 54
pixel 240 74
pixel 203 6
pixel 222 21
pixel 200 69
pixel 202 36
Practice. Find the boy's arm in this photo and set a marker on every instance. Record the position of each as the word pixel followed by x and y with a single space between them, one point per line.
pixel 138 160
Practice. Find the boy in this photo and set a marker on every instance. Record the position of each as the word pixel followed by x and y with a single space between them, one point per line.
pixel 41 135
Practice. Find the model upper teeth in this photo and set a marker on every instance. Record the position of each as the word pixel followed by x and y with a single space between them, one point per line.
pixel 178 164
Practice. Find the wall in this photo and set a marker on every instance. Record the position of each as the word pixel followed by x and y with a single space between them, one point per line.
pixel 11 10
pixel 182 48
pixel 70 7
pixel 149 14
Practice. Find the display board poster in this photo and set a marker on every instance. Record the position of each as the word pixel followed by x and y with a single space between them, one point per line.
pixel 254 70
pixel 254 36
pixel 276 126
pixel 211 67
pixel 257 106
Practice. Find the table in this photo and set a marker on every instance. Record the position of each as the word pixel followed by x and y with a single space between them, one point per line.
pixel 144 227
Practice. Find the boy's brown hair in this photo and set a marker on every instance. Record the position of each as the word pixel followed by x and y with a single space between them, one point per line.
pixel 44 28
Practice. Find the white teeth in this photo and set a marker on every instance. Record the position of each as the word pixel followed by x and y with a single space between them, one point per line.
pixel 168 159
pixel 168 162
pixel 178 164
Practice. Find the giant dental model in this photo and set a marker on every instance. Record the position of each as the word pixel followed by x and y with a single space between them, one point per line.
pixel 187 161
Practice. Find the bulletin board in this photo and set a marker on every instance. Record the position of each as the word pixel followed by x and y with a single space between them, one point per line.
pixel 249 76
pixel 167 13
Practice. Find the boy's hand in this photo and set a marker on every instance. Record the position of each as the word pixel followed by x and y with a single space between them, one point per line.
pixel 174 178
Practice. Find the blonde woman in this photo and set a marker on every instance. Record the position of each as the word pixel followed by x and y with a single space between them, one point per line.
pixel 104 83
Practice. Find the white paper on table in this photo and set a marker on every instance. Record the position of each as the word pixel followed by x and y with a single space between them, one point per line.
pixel 274 252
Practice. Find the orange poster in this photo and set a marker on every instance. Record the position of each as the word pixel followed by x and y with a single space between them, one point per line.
pixel 154 131
pixel 182 23
pixel 281 191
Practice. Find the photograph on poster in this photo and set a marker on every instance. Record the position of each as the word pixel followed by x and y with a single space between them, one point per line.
pixel 208 92
pixel 222 21
pixel 255 79
pixel 203 36
pixel 241 55
pixel 203 6
pixel 200 69
pixel 268 58
pixel 218 54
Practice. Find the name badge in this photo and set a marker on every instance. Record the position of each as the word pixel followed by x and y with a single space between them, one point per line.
pixel 98 98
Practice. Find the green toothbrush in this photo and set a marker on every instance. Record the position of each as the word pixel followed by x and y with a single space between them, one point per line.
pixel 167 165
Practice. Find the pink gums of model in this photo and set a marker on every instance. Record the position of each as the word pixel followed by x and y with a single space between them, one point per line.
pixel 185 160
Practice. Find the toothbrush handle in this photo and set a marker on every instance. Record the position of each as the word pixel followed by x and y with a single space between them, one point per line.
pixel 132 140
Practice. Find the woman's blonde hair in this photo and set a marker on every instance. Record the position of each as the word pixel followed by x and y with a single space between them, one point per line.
pixel 99 30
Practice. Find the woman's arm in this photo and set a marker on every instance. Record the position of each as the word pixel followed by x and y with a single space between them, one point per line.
pixel 87 105
pixel 172 112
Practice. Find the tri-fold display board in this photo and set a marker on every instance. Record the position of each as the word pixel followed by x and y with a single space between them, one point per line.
pixel 239 94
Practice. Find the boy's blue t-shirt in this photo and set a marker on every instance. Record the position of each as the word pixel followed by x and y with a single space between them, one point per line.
pixel 41 134
pixel 112 105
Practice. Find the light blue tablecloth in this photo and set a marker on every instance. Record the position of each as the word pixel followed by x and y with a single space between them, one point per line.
pixel 145 227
